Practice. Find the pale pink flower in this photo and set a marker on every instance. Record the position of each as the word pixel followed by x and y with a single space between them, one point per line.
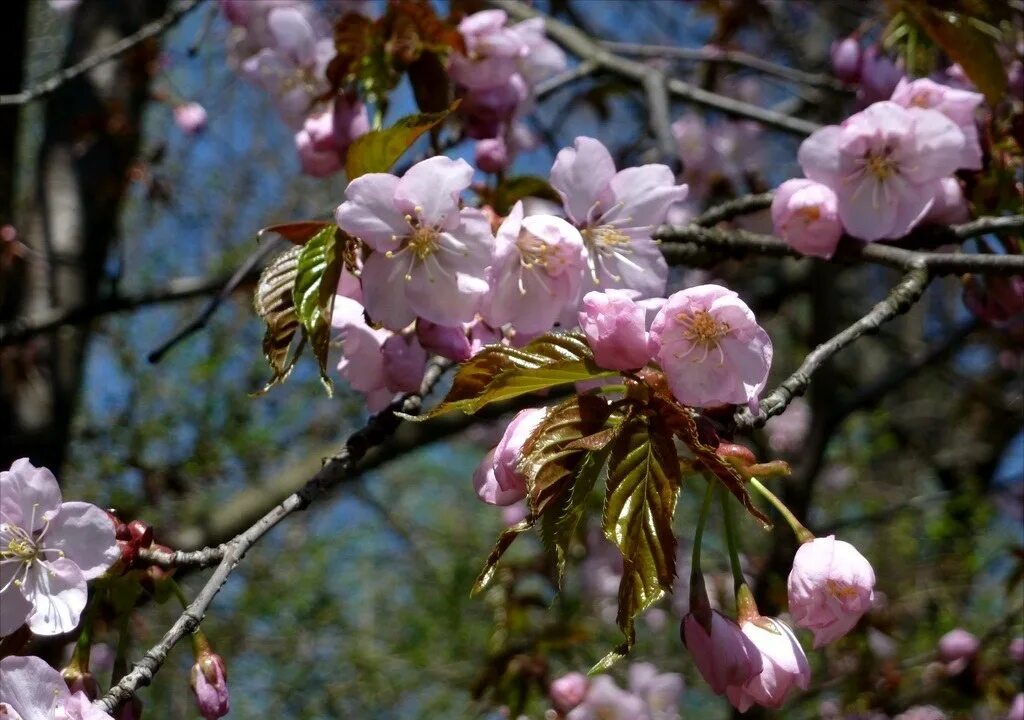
pixel 323 141
pixel 32 690
pixel 209 680
pixel 49 551
pixel 616 213
pixel 1016 711
pixel 607 701
pixel 481 335
pixel 950 206
pixel 616 329
pixel 362 362
pixel 726 657
pixel 885 165
pixel 404 363
pixel 960 106
pixel 956 648
pixel 538 263
pixel 805 216
pixel 711 348
pixel 543 58
pixel 445 340
pixel 659 691
pixel 568 691
pixel 497 480
pixel 784 666
pixel 190 117
pixel 485 111
pixel 430 257
pixel 830 587
pixel 515 513
pixel 492 50
pixel 491 154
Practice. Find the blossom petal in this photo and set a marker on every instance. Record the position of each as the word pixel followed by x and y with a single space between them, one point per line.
pixel 819 155
pixel 31 687
pixel 14 608
pixel 369 212
pixel 57 591
pixel 29 496
pixel 85 535
pixel 938 144
pixel 430 189
pixel 865 209
pixel 580 174
pixel 384 291
pixel 640 196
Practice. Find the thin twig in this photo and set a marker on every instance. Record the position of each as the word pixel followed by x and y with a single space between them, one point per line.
pixel 54 81
pixel 377 430
pixel 546 87
pixel 730 209
pixel 659 112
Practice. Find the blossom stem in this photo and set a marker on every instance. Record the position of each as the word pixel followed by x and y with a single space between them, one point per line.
pixel 178 593
pixel 698 536
pixel 802 534
pixel 730 537
pixel 700 605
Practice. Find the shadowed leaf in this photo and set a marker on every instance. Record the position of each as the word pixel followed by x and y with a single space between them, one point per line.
pixel 505 540
pixel 377 151
pixel 319 266
pixel 274 304
pixel 298 232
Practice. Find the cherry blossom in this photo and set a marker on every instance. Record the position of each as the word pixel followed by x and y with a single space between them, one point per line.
pixel 493 50
pixel 31 690
pixel 362 362
pixel 616 329
pixel 784 666
pixel 885 165
pixel 404 362
pixel 1016 711
pixel 538 263
pixel 805 216
pixel 48 551
pixel 960 106
pixel 497 480
pixel 956 649
pixel 190 117
pixel 845 56
pixel 444 340
pixel 568 691
pixel 607 701
pixel 830 586
pixel 659 691
pixel 878 76
pixel 616 213
pixel 725 657
pixel 711 348
pixel 950 206
pixel 430 257
pixel 323 141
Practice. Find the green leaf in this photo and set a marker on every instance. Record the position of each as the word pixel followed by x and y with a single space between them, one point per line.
pixel 499 372
pixel 643 487
pixel 317 272
pixel 505 540
pixel 274 304
pixel 514 189
pixel 571 511
pixel 377 151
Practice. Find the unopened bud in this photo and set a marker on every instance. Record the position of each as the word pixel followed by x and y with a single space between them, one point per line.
pixel 81 681
pixel 210 685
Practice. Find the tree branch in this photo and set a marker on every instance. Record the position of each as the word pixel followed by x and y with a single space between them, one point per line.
pixel 52 83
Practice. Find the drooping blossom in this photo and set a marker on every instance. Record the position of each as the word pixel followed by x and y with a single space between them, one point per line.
pixel 190 117
pixel 726 657
pixel 324 139
pixel 960 106
pixel 845 56
pixel 659 691
pixel 711 348
pixel 538 263
pixel 404 362
pixel 31 690
pixel 885 165
pixel 362 361
pixel 616 213
pixel 607 701
pixel 568 691
pixel 830 587
pixel 49 550
pixel 805 215
pixel 950 206
pixel 430 257
pixel 497 480
pixel 956 649
pixel 616 329
pixel 784 666
pixel 209 681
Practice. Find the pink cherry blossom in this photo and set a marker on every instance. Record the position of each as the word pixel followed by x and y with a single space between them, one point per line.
pixel 616 213
pixel 805 216
pixel 830 586
pixel 538 263
pixel 607 701
pixel 960 106
pixel 568 691
pixel 430 257
pixel 491 154
pixel 492 50
pixel 481 335
pixel 725 657
pixel 1016 711
pixel 362 362
pixel 845 56
pixel 404 363
pixel 711 348
pixel 31 690
pixel 950 206
pixel 885 165
pixel 190 117
pixel 497 480
pixel 49 550
pixel 784 666
pixel 324 139
pixel 543 58
pixel 659 691
pixel 209 680
pixel 444 340
pixel 956 649
pixel 878 76
pixel 616 329
pixel 486 110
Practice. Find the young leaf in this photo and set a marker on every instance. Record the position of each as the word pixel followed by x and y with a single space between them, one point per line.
pixel 571 511
pixel 298 232
pixel 505 540
pixel 643 486
pixel 377 151
pixel 317 272
pixel 274 303
pixel 499 372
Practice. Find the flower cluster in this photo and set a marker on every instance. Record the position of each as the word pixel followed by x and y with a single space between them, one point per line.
pixel 650 696
pixel 882 171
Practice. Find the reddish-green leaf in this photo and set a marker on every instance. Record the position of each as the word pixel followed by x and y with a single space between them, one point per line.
pixel 319 266
pixel 377 151
pixel 298 232
pixel 505 541
pixel 274 304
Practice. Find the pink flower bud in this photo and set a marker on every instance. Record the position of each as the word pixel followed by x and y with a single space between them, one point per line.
pixel 568 691
pixel 846 59
pixel 1016 708
pixel 491 155
pixel 725 658
pixel 615 327
pixel 783 661
pixel 404 362
pixel 831 586
pixel 878 75
pixel 210 684
pixel 497 481
pixel 81 681
pixel 190 117
pixel 806 216
pixel 315 144
pixel 444 340
pixel 956 648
